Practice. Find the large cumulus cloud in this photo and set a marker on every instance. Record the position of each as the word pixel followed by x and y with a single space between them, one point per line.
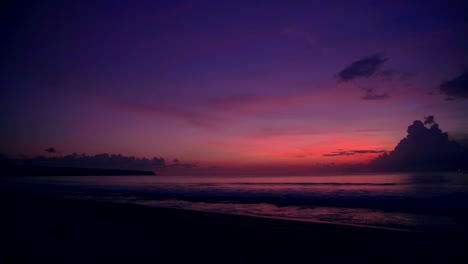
pixel 424 148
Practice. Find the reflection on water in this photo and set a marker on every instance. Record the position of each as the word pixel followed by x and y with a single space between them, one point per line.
pixel 409 201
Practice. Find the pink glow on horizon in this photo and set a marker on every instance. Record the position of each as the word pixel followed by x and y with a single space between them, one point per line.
pixel 230 84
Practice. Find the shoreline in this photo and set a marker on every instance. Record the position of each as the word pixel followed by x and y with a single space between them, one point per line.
pixel 293 220
pixel 39 227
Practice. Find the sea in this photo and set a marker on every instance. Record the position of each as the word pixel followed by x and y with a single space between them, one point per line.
pixel 435 202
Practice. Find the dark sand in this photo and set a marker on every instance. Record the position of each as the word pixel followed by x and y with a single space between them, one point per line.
pixel 44 229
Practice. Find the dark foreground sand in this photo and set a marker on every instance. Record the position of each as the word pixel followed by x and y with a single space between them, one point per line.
pixel 42 229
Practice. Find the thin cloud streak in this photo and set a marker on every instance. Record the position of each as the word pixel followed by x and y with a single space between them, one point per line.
pixel 370 94
pixel 353 152
pixel 197 118
pixel 258 103
pixel 456 88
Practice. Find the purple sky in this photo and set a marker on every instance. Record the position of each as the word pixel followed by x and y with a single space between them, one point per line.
pixel 230 82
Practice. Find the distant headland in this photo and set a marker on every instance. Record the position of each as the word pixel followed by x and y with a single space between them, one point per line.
pixel 36 170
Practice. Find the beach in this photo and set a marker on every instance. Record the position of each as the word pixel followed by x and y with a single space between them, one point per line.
pixel 234 132
pixel 39 227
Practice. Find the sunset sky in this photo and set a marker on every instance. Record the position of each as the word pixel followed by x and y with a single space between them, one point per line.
pixel 230 83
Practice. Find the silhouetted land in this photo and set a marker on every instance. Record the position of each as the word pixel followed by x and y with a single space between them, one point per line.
pixel 37 228
pixel 35 170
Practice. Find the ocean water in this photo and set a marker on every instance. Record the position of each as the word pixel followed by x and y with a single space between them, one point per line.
pixel 408 201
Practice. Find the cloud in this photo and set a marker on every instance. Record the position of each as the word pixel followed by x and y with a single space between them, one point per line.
pixel 388 73
pixel 371 130
pixel 424 148
pixel 250 102
pixel 456 87
pixel 192 117
pixel 353 152
pixel 176 163
pixel 363 68
pixel 198 118
pixel 391 74
pixel 428 120
pixel 261 104
pixel 461 138
pixel 50 150
pixel 370 94
pixel 371 69
pixel 182 165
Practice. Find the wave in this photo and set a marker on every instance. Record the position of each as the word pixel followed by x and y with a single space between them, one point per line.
pixel 451 204
pixel 407 199
pixel 310 184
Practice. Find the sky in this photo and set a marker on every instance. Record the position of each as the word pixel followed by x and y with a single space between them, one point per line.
pixel 230 84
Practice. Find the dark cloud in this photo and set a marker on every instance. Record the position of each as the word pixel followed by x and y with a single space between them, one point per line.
pixel 207 120
pixel 50 150
pixel 429 120
pixel 461 138
pixel 370 94
pixel 340 153
pixel 424 148
pixel 392 74
pixel 363 68
pixel 176 163
pixel 353 152
pixel 371 67
pixel 457 87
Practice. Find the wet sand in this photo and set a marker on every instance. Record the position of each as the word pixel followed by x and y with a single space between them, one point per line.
pixel 49 229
